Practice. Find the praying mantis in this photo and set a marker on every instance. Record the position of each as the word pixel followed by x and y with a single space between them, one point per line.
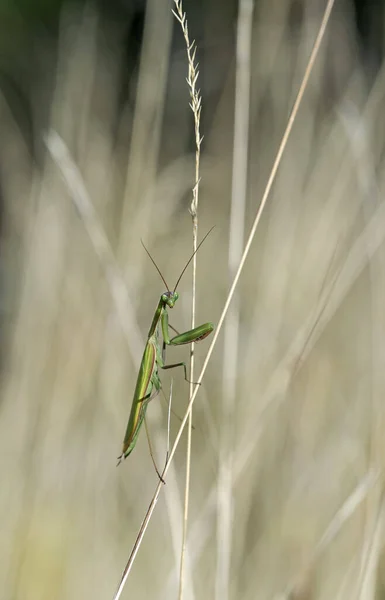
pixel 148 383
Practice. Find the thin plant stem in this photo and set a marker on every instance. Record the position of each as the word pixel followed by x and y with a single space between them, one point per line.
pixel 246 251
pixel 196 107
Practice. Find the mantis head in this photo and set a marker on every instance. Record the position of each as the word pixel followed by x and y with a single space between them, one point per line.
pixel 170 298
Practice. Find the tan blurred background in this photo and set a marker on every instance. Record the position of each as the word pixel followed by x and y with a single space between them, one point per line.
pixel 287 472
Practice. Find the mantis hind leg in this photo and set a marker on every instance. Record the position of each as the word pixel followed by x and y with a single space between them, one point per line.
pixel 158 386
pixel 147 399
pixel 151 451
pixel 180 364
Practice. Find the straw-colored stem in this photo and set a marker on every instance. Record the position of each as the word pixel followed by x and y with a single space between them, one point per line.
pixel 195 105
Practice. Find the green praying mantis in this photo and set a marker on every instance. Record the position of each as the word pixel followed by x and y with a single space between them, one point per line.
pixel 148 383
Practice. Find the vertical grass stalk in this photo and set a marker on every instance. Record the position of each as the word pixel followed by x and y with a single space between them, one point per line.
pixel 196 106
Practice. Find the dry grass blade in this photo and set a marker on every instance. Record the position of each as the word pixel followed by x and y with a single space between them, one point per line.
pixel 265 197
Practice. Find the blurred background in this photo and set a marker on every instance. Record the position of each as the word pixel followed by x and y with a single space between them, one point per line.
pixel 97 153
